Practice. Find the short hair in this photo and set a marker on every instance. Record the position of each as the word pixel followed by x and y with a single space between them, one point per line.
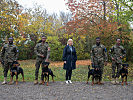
pixel 10 38
pixel 70 40
pixel 97 37
pixel 118 38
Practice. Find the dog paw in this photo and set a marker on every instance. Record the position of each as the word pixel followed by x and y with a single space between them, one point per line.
pixel 10 83
pixel 16 83
pixel 99 83
pixel 92 84
pixel 40 83
pixel 43 83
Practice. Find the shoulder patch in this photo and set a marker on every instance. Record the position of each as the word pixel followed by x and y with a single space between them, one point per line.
pixel 38 44
pixel 93 46
pixel 6 45
pixel 105 50
pixel 17 50
pixel 121 47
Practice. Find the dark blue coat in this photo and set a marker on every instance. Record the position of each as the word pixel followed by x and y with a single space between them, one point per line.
pixel 70 58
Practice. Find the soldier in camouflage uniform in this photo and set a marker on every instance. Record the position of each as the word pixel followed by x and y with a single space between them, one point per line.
pixel 99 55
pixel 9 53
pixel 117 52
pixel 42 50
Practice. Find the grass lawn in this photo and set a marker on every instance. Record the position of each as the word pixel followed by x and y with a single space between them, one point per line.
pixel 79 74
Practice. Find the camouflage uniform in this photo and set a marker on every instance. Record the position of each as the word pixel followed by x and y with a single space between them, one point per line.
pixel 41 49
pixel 115 52
pixel 9 53
pixel 99 56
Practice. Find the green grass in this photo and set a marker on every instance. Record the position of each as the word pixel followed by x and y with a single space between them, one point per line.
pixel 79 74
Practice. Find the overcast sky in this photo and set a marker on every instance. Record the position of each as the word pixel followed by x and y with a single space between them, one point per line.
pixel 50 5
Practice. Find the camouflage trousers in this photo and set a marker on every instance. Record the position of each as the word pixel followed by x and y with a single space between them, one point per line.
pixel 6 66
pixel 37 65
pixel 100 64
pixel 115 65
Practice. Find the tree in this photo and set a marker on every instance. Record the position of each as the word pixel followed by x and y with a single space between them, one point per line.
pixel 96 18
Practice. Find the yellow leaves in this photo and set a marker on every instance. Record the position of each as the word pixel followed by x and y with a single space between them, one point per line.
pixel 83 36
pixel 48 28
pixel 16 39
pixel 23 39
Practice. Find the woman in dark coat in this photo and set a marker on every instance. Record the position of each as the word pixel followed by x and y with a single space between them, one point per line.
pixel 69 58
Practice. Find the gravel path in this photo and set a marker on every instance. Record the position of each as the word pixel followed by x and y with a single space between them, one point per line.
pixel 62 91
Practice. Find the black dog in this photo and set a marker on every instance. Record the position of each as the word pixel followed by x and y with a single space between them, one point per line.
pixel 16 70
pixel 124 73
pixel 46 72
pixel 96 74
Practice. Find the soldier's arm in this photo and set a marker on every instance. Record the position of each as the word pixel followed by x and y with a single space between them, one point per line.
pixel 16 53
pixel 123 52
pixel 111 52
pixel 35 50
pixel 92 54
pixel 48 52
pixel 2 54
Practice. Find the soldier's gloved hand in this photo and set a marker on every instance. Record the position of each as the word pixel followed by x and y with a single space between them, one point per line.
pixel 46 60
pixel 42 56
pixel 92 64
pixel 64 61
pixel 1 61
pixel 121 57
pixel 105 63
pixel 113 59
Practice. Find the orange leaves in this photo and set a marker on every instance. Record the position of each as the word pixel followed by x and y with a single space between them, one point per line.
pixel 88 18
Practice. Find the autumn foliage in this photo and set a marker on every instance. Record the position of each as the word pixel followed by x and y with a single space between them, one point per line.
pixel 87 19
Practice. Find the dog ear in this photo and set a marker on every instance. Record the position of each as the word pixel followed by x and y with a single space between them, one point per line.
pixel 46 63
pixel 127 65
pixel 89 67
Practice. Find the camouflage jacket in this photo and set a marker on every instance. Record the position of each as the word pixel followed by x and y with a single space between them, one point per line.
pixel 99 53
pixel 9 53
pixel 42 49
pixel 117 51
